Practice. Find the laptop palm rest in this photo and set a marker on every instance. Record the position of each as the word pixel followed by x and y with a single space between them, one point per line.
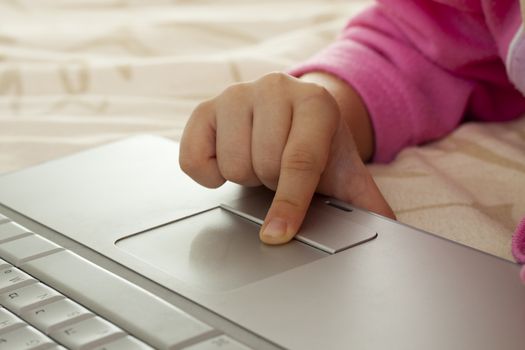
pixel 130 202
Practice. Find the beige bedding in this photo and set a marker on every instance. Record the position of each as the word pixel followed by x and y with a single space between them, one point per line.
pixel 75 74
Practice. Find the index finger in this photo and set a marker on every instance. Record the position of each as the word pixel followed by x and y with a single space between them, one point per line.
pixel 304 159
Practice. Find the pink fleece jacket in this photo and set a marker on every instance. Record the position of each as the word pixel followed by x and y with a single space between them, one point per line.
pixel 423 66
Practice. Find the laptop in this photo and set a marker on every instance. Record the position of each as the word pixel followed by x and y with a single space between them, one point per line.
pixel 116 248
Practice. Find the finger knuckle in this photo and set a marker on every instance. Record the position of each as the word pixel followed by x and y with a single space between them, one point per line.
pixel 300 159
pixel 273 82
pixel 312 92
pixel 267 170
pixel 236 168
pixel 202 109
pixel 316 96
pixel 290 203
pixel 235 92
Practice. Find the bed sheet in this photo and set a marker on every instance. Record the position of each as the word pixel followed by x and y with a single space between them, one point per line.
pixel 76 74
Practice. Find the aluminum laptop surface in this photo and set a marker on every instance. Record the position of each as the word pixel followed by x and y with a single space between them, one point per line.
pixel 351 279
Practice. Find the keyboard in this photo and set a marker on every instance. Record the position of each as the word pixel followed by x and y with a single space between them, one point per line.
pixel 52 298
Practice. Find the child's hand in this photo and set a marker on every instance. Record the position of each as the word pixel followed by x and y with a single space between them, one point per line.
pixel 286 134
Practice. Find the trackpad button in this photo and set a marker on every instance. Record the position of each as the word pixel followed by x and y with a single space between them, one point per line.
pixel 327 226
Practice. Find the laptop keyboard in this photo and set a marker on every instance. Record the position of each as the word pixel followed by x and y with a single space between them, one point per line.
pixel 52 298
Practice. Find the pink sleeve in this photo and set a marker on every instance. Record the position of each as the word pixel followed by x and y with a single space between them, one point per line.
pixel 518 242
pixel 518 246
pixel 418 74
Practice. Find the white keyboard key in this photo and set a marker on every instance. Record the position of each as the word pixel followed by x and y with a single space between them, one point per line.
pixel 58 314
pixel 24 298
pixel 8 321
pixel 3 219
pixel 12 278
pixel 27 248
pixel 222 342
pixel 126 343
pixel 118 300
pixel 26 338
pixel 11 230
pixel 87 333
pixel 4 264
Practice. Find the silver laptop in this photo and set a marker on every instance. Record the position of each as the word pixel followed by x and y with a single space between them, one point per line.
pixel 115 248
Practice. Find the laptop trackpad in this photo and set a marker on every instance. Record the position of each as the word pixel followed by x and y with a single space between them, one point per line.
pixel 215 251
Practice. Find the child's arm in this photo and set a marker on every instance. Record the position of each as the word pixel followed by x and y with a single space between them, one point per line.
pixel 292 135
pixel 422 66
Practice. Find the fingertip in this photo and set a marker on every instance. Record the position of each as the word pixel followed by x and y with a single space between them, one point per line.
pixel 276 231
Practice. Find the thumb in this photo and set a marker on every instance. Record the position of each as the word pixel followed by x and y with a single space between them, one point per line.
pixel 369 197
pixel 347 178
